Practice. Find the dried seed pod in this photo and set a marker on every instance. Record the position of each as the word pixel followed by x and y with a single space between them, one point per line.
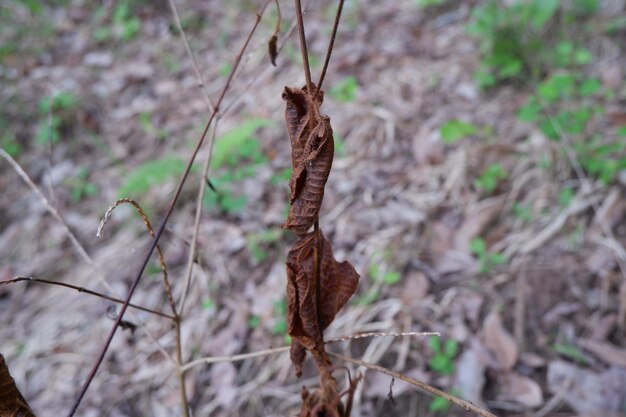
pixel 312 150
pixel 306 320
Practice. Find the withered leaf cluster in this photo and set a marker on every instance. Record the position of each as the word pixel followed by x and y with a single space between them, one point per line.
pixel 312 150
pixel 12 403
pixel 318 286
pixel 311 305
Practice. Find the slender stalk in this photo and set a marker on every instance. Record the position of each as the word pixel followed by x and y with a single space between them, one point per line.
pixel 181 374
pixel 86 291
pixel 305 53
pixel 233 358
pixel 466 405
pixel 165 219
pixel 194 61
pixel 317 261
pixel 329 51
pixel 196 225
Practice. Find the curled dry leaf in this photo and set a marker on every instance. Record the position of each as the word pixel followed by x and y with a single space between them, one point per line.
pixel 12 403
pixel 500 342
pixel 312 150
pixel 306 319
pixel 273 49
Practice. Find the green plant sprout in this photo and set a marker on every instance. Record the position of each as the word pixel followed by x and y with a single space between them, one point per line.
pixel 486 260
pixel 80 187
pixel 53 111
pixel 490 178
pixel 259 242
pixel 345 90
pixel 442 363
pixel 454 130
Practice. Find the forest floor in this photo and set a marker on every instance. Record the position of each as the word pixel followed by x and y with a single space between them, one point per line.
pixel 503 233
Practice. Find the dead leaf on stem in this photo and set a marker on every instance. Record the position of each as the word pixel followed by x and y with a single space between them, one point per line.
pixel 12 403
pixel 312 150
pixel 338 281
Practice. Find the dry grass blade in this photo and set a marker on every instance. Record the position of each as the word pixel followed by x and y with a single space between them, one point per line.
pixel 146 221
pixel 380 334
pixel 467 406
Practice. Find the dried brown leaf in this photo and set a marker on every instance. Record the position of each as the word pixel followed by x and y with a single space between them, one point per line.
pixel 273 49
pixel 12 403
pixel 500 342
pixel 312 150
pixel 338 281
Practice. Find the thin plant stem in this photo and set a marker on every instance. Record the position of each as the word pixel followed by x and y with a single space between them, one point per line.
pixel 196 226
pixel 168 213
pixel 261 74
pixel 329 51
pixel 86 291
pixel 194 61
pixel 303 49
pixel 317 261
pixel 233 358
pixel 78 247
pixel 466 405
pixel 181 374
pixel 243 356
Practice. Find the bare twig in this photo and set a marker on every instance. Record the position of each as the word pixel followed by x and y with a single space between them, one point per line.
pixel 305 53
pixel 380 334
pixel 86 291
pixel 331 43
pixel 233 358
pixel 194 61
pixel 466 405
pixel 168 213
pixel 196 226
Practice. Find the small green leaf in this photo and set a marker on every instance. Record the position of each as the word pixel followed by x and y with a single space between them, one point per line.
pixel 478 246
pixel 345 90
pixel 391 278
pixel 149 174
pixel 439 404
pixel 497 259
pixel 566 195
pixel 531 111
pixel 589 87
pixel 454 130
pixel 434 342
pixel 450 348
pixel 582 56
pixel 254 321
pixel 208 304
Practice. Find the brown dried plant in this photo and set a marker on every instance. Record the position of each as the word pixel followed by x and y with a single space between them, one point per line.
pixel 318 286
pixel 12 403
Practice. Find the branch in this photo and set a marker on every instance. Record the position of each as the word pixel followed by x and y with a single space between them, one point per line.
pixel 165 219
pixel 466 405
pixel 329 51
pixel 305 53
pixel 86 291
